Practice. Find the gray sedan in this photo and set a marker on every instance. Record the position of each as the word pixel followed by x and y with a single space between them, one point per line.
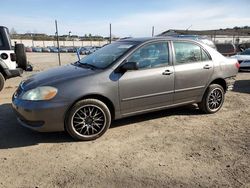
pixel 125 78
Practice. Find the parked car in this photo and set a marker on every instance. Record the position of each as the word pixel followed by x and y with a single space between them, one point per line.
pixel 71 49
pixel 36 49
pixel 122 79
pixel 63 50
pixel 45 50
pixel 226 49
pixel 241 56
pixel 244 59
pixel 84 51
pixel 243 46
pixel 97 48
pixel 53 49
pixel 28 49
pixel 245 65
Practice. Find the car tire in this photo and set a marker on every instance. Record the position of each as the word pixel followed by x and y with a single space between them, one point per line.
pixel 88 119
pixel 213 99
pixel 21 57
pixel 2 81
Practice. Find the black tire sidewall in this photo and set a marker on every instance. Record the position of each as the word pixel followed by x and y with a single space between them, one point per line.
pixel 71 112
pixel 2 81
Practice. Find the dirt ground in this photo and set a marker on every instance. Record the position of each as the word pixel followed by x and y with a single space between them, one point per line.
pixel 172 148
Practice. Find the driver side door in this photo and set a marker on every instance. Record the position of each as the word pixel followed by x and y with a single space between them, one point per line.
pixel 150 87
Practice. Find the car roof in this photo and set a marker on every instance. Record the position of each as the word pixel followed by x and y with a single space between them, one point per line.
pixel 148 39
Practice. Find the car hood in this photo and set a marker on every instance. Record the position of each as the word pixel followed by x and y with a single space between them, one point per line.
pixel 54 75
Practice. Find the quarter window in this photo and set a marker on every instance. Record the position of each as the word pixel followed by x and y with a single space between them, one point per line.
pixel 152 55
pixel 205 57
pixel 188 52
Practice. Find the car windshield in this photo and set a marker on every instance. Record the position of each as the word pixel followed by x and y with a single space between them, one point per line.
pixel 246 52
pixel 107 55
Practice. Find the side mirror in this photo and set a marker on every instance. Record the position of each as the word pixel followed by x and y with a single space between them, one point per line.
pixel 129 66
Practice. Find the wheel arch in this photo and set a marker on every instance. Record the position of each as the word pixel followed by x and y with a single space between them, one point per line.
pixel 102 98
pixel 221 82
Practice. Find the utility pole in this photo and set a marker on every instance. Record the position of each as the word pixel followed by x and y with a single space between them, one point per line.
pixel 153 31
pixel 58 47
pixel 110 33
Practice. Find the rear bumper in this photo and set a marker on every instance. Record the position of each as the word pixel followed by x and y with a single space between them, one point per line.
pixel 230 82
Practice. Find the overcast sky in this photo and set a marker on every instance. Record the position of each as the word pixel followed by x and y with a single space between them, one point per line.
pixel 129 17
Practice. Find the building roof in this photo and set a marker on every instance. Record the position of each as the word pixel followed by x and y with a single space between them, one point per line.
pixel 229 32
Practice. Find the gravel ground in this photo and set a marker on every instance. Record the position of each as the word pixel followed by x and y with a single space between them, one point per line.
pixel 178 147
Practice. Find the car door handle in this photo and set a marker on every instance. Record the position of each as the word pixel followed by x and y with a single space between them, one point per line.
pixel 207 67
pixel 167 72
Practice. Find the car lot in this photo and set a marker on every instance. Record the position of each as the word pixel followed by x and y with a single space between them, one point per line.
pixel 175 147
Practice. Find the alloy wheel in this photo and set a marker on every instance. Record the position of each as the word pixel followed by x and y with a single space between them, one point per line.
pixel 88 120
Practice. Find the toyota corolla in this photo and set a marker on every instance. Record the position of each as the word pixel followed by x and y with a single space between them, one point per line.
pixel 125 78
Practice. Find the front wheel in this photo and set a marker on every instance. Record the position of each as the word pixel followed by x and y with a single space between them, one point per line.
pixel 88 120
pixel 213 99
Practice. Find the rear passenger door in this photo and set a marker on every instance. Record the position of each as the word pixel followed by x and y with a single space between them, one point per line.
pixel 193 69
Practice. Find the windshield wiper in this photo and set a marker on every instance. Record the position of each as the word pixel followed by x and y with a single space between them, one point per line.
pixel 86 65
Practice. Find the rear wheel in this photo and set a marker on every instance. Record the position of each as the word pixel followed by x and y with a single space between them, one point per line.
pixel 2 81
pixel 88 120
pixel 213 99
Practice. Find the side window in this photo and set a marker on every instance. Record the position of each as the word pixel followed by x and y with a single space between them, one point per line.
pixel 151 55
pixel 186 52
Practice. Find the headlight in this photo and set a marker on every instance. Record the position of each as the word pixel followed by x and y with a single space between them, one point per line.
pixel 40 93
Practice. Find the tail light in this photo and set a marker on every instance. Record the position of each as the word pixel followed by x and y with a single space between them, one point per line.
pixel 13 57
pixel 237 64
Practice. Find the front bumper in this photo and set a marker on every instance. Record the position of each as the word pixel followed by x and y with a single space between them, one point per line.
pixel 42 116
pixel 13 73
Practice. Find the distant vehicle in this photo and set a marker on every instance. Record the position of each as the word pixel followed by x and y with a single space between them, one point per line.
pixel 53 49
pixel 92 50
pixel 71 49
pixel 36 49
pixel 244 59
pixel 245 65
pixel 242 56
pixel 45 50
pixel 226 49
pixel 12 62
pixel 243 46
pixel 28 49
pixel 63 50
pixel 98 47
pixel 84 50
pixel 122 79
